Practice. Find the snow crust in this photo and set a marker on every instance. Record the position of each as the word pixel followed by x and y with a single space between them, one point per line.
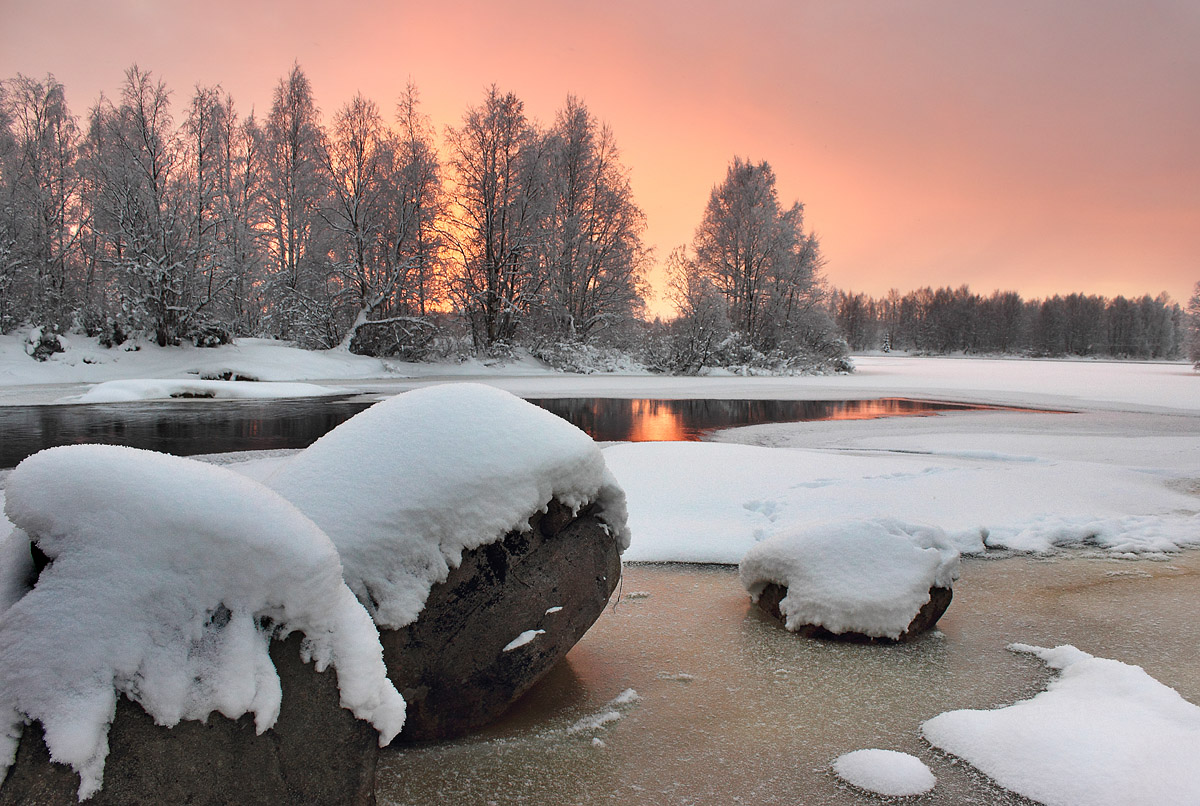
pixel 131 390
pixel 168 579
pixel 1104 733
pixel 869 577
pixel 406 486
pixel 885 772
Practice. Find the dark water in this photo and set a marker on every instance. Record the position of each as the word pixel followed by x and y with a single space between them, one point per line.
pixel 187 428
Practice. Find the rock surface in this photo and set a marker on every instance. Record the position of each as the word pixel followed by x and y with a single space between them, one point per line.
pixel 317 753
pixel 926 618
pixel 540 590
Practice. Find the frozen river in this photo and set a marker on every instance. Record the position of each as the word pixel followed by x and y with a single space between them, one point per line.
pixel 733 709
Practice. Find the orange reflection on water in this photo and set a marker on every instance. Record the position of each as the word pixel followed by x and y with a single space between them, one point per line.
pixel 874 409
pixel 657 421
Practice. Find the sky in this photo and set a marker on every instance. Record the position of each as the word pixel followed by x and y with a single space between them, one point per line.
pixel 1041 147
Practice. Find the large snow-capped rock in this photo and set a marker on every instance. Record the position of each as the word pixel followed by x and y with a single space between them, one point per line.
pixel 168 581
pixel 859 578
pixel 466 518
pixel 405 487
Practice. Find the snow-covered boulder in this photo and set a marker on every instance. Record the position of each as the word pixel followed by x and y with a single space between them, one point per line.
pixel 873 579
pixel 169 588
pixel 508 510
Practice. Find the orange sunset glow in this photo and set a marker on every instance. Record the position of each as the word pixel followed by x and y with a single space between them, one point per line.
pixel 1037 147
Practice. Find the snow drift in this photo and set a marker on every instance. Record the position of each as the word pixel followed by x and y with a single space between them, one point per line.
pixel 405 487
pixel 168 579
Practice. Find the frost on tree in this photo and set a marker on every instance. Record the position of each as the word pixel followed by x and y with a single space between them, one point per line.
pixel 405 487
pixel 168 579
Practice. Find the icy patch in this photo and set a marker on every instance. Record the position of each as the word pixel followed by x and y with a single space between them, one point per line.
pixel 405 487
pixel 869 577
pixel 133 390
pixel 522 639
pixel 169 578
pixel 885 772
pixel 1104 733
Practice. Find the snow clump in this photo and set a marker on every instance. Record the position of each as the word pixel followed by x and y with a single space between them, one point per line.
pixel 168 579
pixel 885 772
pixel 405 487
pixel 866 576
pixel 1104 733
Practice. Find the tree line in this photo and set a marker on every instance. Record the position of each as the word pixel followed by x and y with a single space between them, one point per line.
pixel 952 320
pixel 372 233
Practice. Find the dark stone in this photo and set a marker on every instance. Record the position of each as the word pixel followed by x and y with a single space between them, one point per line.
pixel 450 665
pixel 927 616
pixel 317 753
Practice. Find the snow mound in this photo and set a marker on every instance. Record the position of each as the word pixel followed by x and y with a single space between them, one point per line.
pixel 132 390
pixel 866 576
pixel 1103 733
pixel 168 579
pixel 885 772
pixel 405 487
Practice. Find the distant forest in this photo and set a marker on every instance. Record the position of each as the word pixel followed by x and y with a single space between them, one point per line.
pixel 180 220
pixel 949 320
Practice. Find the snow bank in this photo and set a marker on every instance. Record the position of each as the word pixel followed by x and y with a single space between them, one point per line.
pixel 711 502
pixel 169 578
pixel 131 390
pixel 406 486
pixel 1102 733
pixel 869 577
pixel 885 772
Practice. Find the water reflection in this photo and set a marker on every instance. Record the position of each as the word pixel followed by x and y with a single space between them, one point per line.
pixel 734 709
pixel 616 419
pixel 186 428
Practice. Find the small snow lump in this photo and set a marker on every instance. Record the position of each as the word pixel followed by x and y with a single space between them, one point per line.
pixel 885 772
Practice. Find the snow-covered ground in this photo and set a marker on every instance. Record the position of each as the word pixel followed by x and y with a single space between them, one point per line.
pixel 1116 470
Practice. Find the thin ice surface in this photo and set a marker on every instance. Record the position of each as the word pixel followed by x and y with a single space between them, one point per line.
pixel 406 486
pixel 869 577
pixel 1104 733
pixel 164 574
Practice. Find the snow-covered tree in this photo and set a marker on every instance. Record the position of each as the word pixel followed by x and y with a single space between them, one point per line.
pixel 497 217
pixel 143 209
pixel 295 188
pixel 594 255
pixel 39 204
pixel 757 254
pixel 1193 327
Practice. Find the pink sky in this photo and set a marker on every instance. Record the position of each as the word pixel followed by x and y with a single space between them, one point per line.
pixel 1044 147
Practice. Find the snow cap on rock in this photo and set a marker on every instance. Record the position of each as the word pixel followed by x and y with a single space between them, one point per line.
pixel 864 576
pixel 168 579
pixel 405 487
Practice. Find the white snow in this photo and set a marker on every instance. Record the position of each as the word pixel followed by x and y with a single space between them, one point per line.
pixel 522 639
pixel 165 572
pixel 885 772
pixel 132 390
pixel 869 577
pixel 406 486
pixel 1104 733
pixel 711 502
